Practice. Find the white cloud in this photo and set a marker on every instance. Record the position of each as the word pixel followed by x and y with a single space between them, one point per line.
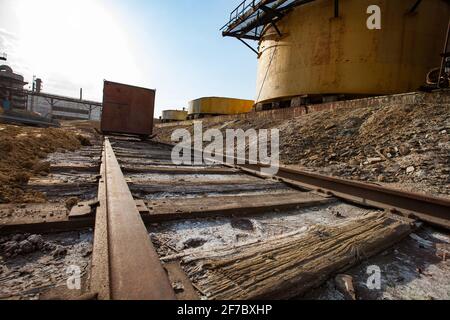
pixel 69 44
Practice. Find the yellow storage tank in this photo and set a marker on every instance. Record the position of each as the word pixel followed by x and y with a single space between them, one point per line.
pixel 215 106
pixel 318 54
pixel 174 115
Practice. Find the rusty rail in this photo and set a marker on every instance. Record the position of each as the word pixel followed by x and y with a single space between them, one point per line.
pixel 125 263
pixel 435 211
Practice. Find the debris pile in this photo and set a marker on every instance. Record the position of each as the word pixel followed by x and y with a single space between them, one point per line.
pixel 24 244
pixel 22 155
pixel 394 144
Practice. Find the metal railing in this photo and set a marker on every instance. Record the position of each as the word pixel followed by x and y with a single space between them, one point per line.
pixel 248 19
pixel 240 10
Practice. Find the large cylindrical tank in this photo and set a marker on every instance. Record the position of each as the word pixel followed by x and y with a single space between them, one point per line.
pixel 319 54
pixel 174 115
pixel 214 106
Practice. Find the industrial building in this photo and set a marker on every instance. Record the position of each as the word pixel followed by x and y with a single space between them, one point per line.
pixel 12 88
pixel 322 50
pixel 63 108
pixel 50 106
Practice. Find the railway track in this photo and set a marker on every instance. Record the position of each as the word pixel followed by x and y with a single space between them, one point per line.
pixel 166 193
pixel 163 231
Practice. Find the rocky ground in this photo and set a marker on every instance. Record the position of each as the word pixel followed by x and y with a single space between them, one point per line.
pixel 31 266
pixel 23 151
pixel 403 146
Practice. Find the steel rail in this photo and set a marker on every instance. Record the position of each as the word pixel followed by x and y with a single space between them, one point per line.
pixel 433 210
pixel 122 243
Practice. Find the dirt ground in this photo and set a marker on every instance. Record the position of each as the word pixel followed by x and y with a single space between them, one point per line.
pixel 23 151
pixel 403 146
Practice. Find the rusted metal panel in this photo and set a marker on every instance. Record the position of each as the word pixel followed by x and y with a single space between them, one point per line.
pixel 127 109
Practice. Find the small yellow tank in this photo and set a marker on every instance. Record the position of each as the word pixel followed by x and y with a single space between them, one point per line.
pixel 215 106
pixel 174 115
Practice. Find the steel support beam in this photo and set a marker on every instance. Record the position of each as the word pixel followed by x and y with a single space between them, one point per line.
pixel 61 98
pixel 249 46
pixel 415 6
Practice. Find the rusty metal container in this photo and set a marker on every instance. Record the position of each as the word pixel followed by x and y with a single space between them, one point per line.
pixel 127 109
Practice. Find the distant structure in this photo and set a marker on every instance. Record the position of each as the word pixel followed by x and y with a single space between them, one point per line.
pixel 314 51
pixel 12 87
pixel 37 85
pixel 218 106
pixel 48 105
pixel 61 107
pixel 174 115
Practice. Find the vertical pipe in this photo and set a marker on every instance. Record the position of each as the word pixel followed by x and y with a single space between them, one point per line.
pixel 444 58
pixel 336 8
pixel 32 101
pixel 51 107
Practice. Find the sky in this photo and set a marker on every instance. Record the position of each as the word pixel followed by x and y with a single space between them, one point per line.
pixel 173 46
